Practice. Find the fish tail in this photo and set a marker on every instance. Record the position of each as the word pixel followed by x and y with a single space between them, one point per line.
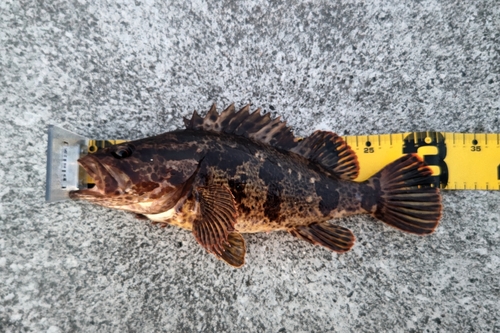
pixel 405 196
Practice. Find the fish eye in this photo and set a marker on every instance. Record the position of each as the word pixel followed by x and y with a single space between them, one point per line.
pixel 123 151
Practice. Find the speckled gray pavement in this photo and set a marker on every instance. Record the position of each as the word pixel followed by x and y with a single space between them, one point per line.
pixel 130 69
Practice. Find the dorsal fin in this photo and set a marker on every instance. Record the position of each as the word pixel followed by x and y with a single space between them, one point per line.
pixel 250 125
pixel 324 148
pixel 331 151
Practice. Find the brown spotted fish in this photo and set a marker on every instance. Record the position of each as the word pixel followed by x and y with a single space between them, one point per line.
pixel 241 172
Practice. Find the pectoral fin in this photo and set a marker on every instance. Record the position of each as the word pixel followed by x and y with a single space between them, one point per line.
pixel 234 251
pixel 331 236
pixel 213 227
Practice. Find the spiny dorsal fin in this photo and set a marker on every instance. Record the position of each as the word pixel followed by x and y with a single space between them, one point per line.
pixel 250 125
pixel 324 148
pixel 331 151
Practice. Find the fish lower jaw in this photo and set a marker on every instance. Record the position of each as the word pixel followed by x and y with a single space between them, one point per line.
pixel 82 194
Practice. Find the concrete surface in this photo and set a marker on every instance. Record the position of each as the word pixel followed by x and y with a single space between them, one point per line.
pixel 128 69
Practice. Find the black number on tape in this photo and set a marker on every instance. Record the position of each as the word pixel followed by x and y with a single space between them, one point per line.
pixel 417 140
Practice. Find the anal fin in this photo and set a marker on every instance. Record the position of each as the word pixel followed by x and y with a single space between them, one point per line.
pixel 333 237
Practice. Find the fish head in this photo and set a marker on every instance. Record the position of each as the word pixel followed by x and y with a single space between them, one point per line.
pixel 142 176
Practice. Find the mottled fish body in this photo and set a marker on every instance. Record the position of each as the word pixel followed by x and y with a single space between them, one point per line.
pixel 242 172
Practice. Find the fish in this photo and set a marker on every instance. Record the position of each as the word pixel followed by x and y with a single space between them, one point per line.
pixel 239 172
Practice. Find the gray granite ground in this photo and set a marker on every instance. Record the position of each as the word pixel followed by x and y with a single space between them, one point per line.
pixel 130 69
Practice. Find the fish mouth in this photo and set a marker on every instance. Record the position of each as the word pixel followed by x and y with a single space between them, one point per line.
pixel 108 180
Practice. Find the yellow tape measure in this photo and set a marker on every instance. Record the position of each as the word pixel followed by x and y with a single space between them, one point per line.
pixel 460 161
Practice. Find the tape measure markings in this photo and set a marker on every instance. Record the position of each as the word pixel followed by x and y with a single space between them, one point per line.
pixel 469 162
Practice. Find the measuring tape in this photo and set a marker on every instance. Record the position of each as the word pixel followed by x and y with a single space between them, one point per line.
pixel 459 161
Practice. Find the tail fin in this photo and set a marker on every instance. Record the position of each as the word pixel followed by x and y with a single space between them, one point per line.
pixel 407 199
